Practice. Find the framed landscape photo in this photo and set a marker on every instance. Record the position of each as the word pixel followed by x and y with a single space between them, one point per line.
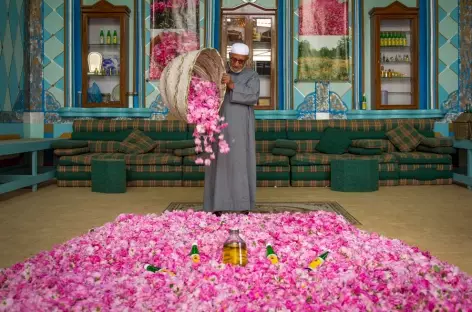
pixel 324 42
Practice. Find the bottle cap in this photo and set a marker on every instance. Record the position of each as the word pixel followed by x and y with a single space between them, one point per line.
pixel 194 244
pixel 268 244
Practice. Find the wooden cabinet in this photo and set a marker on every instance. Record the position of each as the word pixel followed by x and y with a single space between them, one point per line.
pixel 256 27
pixel 394 57
pixel 105 58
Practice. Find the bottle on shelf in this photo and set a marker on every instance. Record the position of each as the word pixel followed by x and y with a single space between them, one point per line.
pixel 382 39
pixel 404 39
pixel 108 37
pixel 235 249
pixel 318 261
pixel 364 102
pixel 102 37
pixel 115 37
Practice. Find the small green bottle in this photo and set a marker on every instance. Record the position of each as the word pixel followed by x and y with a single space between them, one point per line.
pixel 364 102
pixel 108 37
pixel 404 39
pixel 318 261
pixel 102 37
pixel 115 37
pixel 382 39
pixel 271 255
pixel 155 269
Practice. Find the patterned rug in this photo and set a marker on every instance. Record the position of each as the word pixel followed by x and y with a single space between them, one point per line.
pixel 277 207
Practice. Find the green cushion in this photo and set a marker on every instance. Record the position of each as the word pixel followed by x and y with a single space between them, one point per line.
pixel 436 142
pixel 101 136
pixel 334 141
pixel 365 151
pixel 436 150
pixel 185 151
pixel 180 144
pixel 422 158
pixel 137 143
pixel 405 137
pixel 286 144
pixel 284 152
pixel 108 176
pixel 69 144
pixel 265 173
pixel 355 175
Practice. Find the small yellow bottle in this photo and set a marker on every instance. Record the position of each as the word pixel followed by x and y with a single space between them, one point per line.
pixel 155 269
pixel 318 261
pixel 194 254
pixel 235 249
pixel 271 255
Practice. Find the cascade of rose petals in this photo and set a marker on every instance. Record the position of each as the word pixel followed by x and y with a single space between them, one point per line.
pixel 104 269
pixel 203 107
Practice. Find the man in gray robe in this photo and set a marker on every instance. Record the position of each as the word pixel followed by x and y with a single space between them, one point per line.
pixel 230 181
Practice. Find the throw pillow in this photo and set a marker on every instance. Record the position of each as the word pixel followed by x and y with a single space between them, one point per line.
pixel 365 151
pixel 334 141
pixel 137 143
pixel 288 144
pixel 437 142
pixel 436 150
pixel 284 152
pixel 405 137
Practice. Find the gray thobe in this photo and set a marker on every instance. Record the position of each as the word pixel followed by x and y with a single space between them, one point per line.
pixel 230 181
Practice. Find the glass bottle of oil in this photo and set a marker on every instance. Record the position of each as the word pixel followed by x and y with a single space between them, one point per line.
pixel 235 249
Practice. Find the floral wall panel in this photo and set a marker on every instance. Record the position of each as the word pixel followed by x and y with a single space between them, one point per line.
pixel 189 35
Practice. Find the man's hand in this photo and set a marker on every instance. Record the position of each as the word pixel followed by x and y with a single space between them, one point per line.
pixel 226 79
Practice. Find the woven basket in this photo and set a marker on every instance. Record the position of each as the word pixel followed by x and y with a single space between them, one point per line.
pixel 175 79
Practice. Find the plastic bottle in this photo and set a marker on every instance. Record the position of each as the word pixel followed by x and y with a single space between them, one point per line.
pixel 194 253
pixel 271 255
pixel 318 261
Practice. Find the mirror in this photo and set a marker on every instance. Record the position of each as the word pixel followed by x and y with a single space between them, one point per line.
pixel 95 60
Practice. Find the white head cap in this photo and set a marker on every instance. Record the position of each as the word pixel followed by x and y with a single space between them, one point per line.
pixel 240 48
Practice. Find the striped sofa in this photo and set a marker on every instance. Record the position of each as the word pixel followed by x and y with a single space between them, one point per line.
pixel 162 167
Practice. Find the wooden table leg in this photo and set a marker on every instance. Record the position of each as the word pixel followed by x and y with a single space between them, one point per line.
pixel 34 168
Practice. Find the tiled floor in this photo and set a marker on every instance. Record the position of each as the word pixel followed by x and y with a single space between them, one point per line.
pixel 435 218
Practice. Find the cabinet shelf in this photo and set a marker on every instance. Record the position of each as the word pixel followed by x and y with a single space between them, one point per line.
pixel 104 45
pixel 402 22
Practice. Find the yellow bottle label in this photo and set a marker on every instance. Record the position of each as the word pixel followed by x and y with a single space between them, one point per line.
pixel 108 40
pixel 364 105
pixel 195 258
pixel 114 40
pixel 315 263
pixel 273 258
pixel 165 271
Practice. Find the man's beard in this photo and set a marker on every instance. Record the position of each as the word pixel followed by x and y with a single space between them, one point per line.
pixel 234 70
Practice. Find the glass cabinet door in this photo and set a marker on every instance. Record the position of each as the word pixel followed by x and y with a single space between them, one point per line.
pixel 257 32
pixel 396 72
pixel 262 58
pixel 103 63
